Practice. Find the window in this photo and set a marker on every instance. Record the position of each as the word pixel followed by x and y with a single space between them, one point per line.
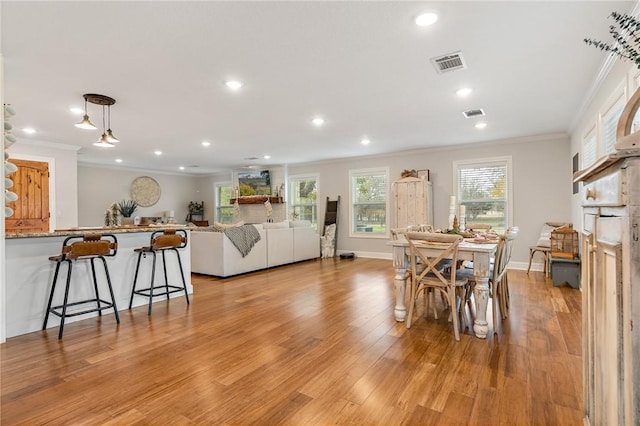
pixel 224 208
pixel 303 198
pixel 484 188
pixel 369 191
pixel 589 148
pixel 609 125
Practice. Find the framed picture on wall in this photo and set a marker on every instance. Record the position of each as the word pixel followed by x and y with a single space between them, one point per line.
pixel 423 174
pixel 576 162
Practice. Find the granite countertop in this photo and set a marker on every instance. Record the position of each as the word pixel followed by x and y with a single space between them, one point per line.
pixel 97 230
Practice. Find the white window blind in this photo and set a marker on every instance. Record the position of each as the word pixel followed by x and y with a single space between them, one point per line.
pixel 369 195
pixel 483 188
pixel 609 125
pixel 589 150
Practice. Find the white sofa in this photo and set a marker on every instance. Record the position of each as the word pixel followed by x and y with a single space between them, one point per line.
pixel 212 253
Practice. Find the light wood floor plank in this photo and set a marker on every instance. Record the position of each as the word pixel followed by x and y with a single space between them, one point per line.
pixel 313 343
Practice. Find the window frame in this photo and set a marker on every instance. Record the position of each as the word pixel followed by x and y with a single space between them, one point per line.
pixel 375 171
pixel 487 162
pixel 219 206
pixel 292 180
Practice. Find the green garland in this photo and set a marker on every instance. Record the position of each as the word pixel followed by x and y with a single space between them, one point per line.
pixel 625 35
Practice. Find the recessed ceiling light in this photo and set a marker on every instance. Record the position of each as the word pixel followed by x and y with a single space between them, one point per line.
pixel 157 152
pixel 266 157
pixel 118 160
pixel 76 110
pixel 233 84
pixel 426 19
pixel 181 167
pixel 481 125
pixel 464 91
pixel 29 130
pixel 206 143
pixel 365 141
pixel 318 121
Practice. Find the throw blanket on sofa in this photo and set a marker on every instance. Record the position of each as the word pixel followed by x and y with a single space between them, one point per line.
pixel 243 237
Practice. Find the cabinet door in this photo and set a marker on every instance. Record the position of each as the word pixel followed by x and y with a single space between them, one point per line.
pixel 410 203
pixel 608 310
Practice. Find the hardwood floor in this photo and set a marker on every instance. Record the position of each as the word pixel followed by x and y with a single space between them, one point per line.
pixel 311 343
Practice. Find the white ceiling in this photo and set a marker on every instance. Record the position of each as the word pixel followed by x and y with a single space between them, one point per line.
pixel 363 66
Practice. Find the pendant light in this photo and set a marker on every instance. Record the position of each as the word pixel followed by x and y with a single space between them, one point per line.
pixel 85 123
pixel 110 137
pixel 103 142
pixel 107 139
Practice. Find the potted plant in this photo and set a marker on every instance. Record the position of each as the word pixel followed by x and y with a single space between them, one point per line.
pixel 126 209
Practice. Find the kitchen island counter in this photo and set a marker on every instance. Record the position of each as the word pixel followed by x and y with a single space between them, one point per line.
pixel 29 273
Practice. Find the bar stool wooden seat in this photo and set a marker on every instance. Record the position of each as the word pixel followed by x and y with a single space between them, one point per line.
pixel 161 241
pixel 76 248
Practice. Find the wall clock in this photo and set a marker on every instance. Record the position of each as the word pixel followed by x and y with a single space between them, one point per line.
pixel 145 191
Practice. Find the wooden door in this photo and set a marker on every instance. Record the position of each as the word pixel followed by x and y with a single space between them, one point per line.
pixel 31 209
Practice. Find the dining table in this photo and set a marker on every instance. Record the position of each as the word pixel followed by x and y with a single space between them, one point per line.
pixel 480 253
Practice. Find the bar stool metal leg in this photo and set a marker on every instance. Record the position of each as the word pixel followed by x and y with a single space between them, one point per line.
pixel 184 282
pixel 64 303
pixel 135 278
pixel 153 281
pixel 95 285
pixel 53 289
pixel 113 297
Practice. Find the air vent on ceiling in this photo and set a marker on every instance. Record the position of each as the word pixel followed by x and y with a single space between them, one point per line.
pixel 473 113
pixel 449 62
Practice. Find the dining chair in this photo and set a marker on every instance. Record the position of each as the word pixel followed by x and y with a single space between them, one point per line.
pixel 432 277
pixel 477 227
pixel 498 283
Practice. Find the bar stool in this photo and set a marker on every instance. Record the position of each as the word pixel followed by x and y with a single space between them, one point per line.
pixel 161 241
pixel 75 248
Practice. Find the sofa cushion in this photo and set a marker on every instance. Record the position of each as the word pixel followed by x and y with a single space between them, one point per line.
pixel 300 224
pixel 276 225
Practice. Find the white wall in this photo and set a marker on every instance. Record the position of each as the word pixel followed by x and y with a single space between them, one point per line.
pixel 541 185
pixel 63 177
pixel 99 187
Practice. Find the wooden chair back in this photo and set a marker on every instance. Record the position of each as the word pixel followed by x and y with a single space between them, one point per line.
pixel 478 227
pixel 80 246
pixel 503 254
pixel 421 245
pixel 168 239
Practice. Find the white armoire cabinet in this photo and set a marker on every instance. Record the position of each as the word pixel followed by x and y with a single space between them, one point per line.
pixel 611 289
pixel 413 202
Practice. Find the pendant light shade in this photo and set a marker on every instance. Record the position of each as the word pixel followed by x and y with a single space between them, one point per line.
pixel 103 142
pixel 110 137
pixel 85 123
